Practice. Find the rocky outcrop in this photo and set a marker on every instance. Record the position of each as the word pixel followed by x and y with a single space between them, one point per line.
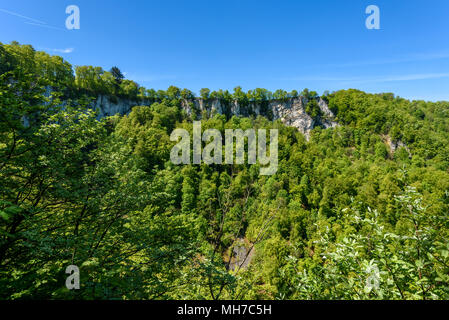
pixel 109 106
pixel 293 114
pixel 242 254
pixel 327 119
pixel 394 145
pixel 292 111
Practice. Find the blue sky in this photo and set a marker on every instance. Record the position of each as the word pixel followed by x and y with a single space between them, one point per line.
pixel 319 44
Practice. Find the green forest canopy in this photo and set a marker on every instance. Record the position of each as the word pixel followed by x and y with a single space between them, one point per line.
pixel 104 196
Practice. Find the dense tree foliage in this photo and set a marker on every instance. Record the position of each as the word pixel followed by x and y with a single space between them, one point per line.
pixel 360 211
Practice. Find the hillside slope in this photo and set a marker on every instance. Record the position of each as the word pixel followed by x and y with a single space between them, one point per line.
pixel 357 210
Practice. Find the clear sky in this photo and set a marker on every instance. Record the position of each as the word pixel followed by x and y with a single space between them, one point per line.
pixel 319 44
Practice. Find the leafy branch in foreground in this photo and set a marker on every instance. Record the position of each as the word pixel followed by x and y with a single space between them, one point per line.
pixel 375 263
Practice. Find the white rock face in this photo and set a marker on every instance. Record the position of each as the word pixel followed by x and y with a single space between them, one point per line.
pixel 328 116
pixel 291 111
pixel 394 145
pixel 325 108
pixel 107 106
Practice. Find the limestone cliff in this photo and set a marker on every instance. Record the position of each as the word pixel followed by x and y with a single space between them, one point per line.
pixel 292 111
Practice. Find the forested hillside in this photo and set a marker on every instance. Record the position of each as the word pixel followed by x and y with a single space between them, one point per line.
pixel 360 211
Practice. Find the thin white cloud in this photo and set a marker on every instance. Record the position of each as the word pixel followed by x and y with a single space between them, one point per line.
pixel 148 78
pixel 407 77
pixel 319 78
pixel 412 77
pixel 67 50
pixel 44 26
pixel 410 58
pixel 31 21
pixel 22 16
